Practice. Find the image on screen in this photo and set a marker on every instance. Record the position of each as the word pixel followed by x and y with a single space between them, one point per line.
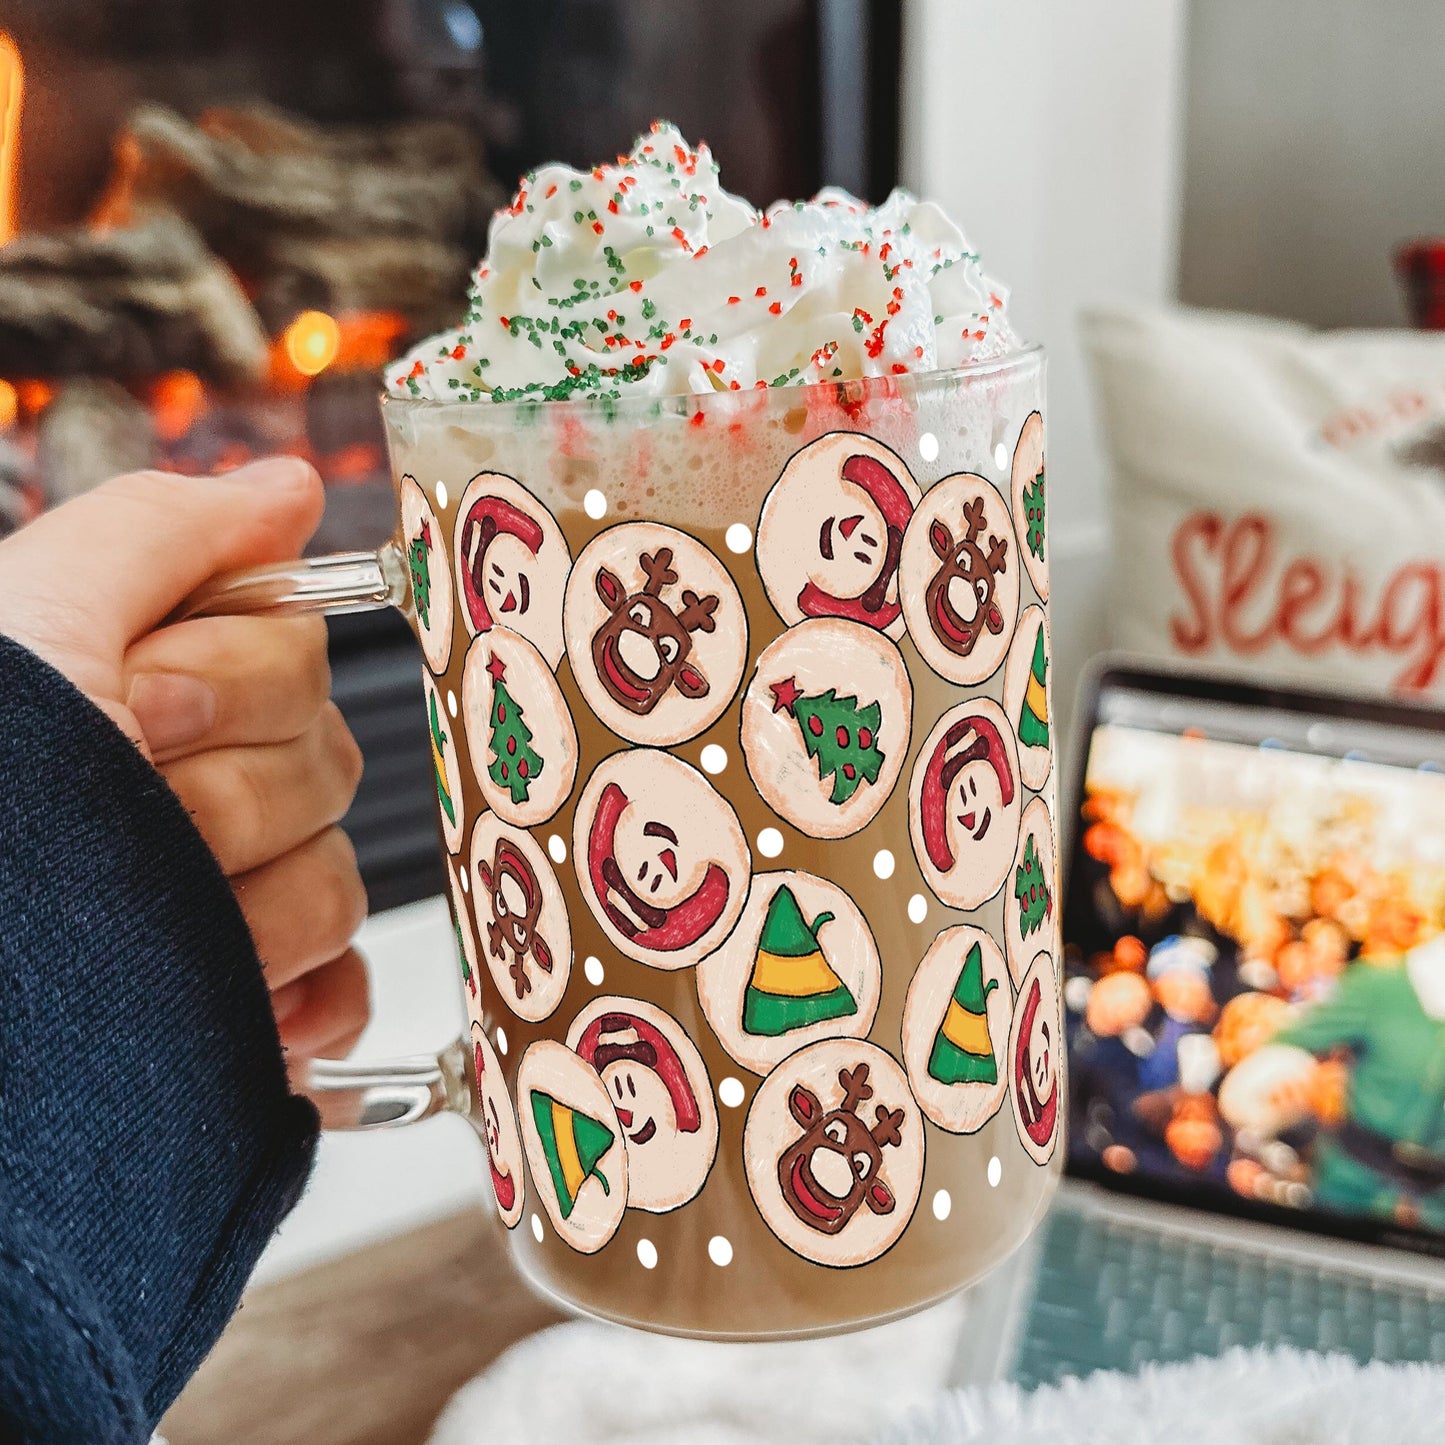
pixel 1255 960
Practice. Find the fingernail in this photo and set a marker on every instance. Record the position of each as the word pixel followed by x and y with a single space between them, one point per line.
pixel 173 709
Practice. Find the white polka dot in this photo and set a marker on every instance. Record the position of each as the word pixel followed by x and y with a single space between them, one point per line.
pixel 451 702
pixel 730 1091
pixel 442 495
pixel 770 842
pixel 465 881
pixel 942 1204
pixel 928 447
pixel 592 967
pixel 714 759
pixel 647 1254
pixel 501 1040
pixel 595 505
pixel 738 537
pixel 917 908
pixel 557 848
pixel 720 1250
pixel 995 1172
pixel 536 1229
pixel 883 863
pixel 1000 456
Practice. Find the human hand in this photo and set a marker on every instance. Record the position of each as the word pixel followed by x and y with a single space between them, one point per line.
pixel 233 711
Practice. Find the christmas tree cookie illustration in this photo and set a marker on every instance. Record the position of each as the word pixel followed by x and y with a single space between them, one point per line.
pixel 519 732
pixel 1031 921
pixel 1026 685
pixel 573 1145
pixel 445 765
pixel 825 725
pixel 1032 515
pixel 955 1028
pixel 1029 495
pixel 792 984
pixel 1031 890
pixel 423 543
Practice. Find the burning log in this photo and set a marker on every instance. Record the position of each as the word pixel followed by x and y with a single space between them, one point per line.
pixel 92 430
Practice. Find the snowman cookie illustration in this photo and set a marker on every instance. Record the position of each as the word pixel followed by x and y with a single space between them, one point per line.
pixel 1026 689
pixel 512 563
pixel 964 804
pixel 499 1129
pixel 445 766
pixel 427 571
pixel 1031 910
pixel 831 533
pixel 955 1030
pixel 961 578
pixel 833 1149
pixel 466 939
pixel 656 632
pixel 526 937
pixel 826 723
pixel 661 1092
pixel 1036 1061
pixel 520 736
pixel 1030 512
pixel 574 1144
pixel 801 965
pixel 661 858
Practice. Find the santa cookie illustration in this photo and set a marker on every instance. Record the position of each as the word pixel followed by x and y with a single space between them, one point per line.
pixel 1031 912
pixel 826 723
pixel 833 1149
pixel 520 736
pixel 521 917
pixel 660 1089
pixel 1029 509
pixel 574 1144
pixel 661 858
pixel 466 940
pixel 430 577
pixel 960 576
pixel 1036 1061
pixel 964 803
pixel 801 965
pixel 955 1030
pixel 445 766
pixel 512 563
pixel 497 1124
pixel 831 533
pixel 1026 690
pixel 656 633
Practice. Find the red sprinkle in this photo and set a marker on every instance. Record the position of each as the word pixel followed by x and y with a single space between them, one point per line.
pixel 634 285
pixel 776 308
pixel 898 368
pixel 597 226
pixel 733 300
pixel 718 364
pixel 698 418
pixel 685 324
pixel 761 291
pixel 668 340
pixel 458 351
pixel 551 191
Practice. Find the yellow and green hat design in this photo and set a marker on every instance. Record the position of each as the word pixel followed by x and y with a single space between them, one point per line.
pixel 574 1144
pixel 792 984
pixel 963 1047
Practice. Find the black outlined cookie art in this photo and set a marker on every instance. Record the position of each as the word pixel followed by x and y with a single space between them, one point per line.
pixel 663 1096
pixel 1027 691
pixel 574 1144
pixel 1036 1060
pixel 525 935
pixel 1031 914
pixel 826 723
pixel 830 533
pixel 445 765
pixel 833 1149
pixel 964 803
pixel 801 965
pixel 656 633
pixel 661 858
pixel 512 563
pixel 1030 509
pixel 466 940
pixel 955 1030
pixel 424 543
pixel 498 1129
pixel 960 578
pixel 520 736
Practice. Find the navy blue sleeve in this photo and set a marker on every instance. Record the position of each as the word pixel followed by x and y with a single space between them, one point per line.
pixel 149 1143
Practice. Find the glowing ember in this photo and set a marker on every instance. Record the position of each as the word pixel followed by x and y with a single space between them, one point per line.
pixel 12 88
pixel 9 405
pixel 312 341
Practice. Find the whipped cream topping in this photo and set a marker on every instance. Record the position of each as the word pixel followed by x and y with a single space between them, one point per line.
pixel 647 277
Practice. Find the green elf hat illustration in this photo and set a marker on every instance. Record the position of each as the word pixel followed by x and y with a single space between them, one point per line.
pixel 573 1144
pixel 963 1047
pixel 792 984
pixel 1034 714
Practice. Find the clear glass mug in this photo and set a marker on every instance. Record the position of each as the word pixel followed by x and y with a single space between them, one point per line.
pixel 739 707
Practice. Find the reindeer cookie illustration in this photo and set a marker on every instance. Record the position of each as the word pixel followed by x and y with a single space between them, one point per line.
pixel 522 918
pixel 960 584
pixel 656 633
pixel 833 1149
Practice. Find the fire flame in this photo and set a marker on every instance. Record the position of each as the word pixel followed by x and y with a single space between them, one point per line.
pixel 312 341
pixel 12 89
